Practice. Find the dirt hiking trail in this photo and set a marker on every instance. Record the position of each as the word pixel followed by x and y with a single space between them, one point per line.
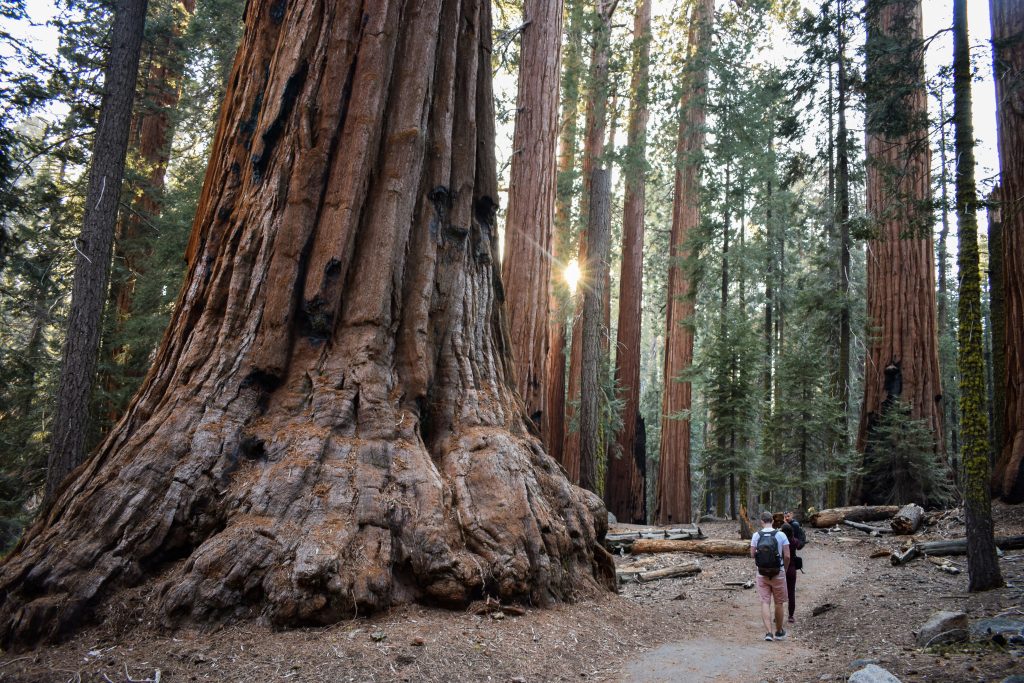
pixel 694 628
pixel 732 649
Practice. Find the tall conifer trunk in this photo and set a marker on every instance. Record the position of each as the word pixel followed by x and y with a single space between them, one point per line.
pixel 149 149
pixel 982 563
pixel 837 486
pixel 554 416
pixel 330 426
pixel 625 490
pixel 901 303
pixel 594 329
pixel 672 500
pixel 997 324
pixel 92 267
pixel 593 161
pixel 1008 58
pixel 529 224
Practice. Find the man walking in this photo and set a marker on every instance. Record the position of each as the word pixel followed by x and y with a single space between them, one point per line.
pixel 770 550
pixel 798 529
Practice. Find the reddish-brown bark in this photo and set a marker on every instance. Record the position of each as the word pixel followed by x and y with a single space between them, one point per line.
pixel 529 224
pixel 330 425
pixel 672 500
pixel 1008 57
pixel 553 428
pixel 625 489
pixel 901 304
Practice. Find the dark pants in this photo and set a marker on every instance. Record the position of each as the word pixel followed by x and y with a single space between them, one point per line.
pixel 791 585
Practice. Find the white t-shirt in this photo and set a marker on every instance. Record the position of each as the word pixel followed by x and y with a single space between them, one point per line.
pixel 780 539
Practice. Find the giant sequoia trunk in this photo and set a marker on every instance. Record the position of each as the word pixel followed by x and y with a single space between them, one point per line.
pixel 625 490
pixel 900 273
pixel 672 499
pixel 1008 58
pixel 329 427
pixel 529 224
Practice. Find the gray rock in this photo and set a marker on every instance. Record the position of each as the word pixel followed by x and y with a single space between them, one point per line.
pixel 861 663
pixel 1000 629
pixel 612 519
pixel 872 673
pixel 943 627
pixel 1016 678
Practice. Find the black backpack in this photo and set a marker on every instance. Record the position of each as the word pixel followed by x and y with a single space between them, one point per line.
pixel 798 531
pixel 766 554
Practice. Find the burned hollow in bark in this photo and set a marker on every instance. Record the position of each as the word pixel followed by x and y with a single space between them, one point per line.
pixel 329 427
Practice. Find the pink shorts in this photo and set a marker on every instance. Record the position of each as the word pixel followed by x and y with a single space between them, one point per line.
pixel 769 587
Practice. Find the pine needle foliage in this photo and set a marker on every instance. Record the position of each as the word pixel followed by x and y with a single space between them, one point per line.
pixel 901 465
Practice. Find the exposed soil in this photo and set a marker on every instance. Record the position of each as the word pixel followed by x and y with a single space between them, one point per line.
pixel 690 629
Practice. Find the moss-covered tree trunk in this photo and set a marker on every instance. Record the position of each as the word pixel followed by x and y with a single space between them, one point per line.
pixel 625 489
pixel 330 425
pixel 672 499
pixel 901 304
pixel 982 563
pixel 1008 58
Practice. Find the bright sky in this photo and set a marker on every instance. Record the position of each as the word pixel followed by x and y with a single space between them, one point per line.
pixel 44 37
pixel 938 15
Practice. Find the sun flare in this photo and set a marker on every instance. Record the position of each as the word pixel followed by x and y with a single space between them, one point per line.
pixel 572 275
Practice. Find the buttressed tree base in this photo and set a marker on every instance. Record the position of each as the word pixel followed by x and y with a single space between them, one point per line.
pixel 330 425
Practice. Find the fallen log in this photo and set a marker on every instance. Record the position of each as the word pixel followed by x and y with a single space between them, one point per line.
pixel 908 519
pixel 624 540
pixel 684 569
pixel 688 568
pixel 710 546
pixel 873 530
pixel 860 513
pixel 954 547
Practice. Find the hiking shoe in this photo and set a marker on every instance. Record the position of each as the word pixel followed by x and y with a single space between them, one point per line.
pixel 791 619
pixel 780 635
pixel 768 637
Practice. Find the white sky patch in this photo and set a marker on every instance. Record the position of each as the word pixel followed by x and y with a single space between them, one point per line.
pixel 37 30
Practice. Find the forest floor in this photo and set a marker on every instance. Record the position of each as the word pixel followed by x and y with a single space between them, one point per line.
pixel 687 629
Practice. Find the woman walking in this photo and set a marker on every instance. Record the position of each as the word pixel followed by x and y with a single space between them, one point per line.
pixel 794 562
